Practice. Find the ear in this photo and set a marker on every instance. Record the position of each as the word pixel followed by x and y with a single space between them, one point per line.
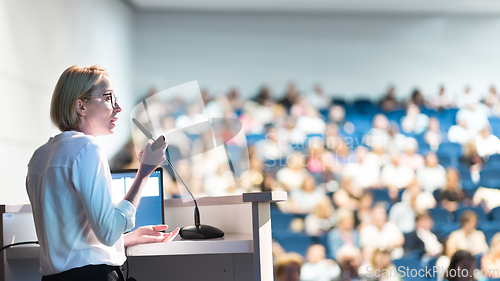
pixel 81 108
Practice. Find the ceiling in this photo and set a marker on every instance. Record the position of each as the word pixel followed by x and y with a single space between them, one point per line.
pixel 458 7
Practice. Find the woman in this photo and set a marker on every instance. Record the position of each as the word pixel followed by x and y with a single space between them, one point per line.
pixel 468 238
pixel 452 195
pixel 79 228
pixel 462 266
pixel 490 263
pixel 380 267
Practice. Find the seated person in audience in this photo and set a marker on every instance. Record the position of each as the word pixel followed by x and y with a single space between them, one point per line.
pixel 382 233
pixel 336 115
pixel 432 176
pixel 380 130
pixel 319 160
pixel 318 98
pixel 413 201
pixel 302 201
pixel 349 260
pixel 417 98
pixel 442 101
pixel 396 139
pixel 411 158
pixel 347 195
pixel 476 115
pixel 443 261
pixel 389 103
pixel 379 267
pixel 293 175
pixel 378 153
pixel 467 97
pixel 253 179
pixel 344 233
pixel 471 157
pixel 491 261
pixel 317 267
pixel 452 195
pixel 488 198
pixel 422 240
pixel 366 171
pixel 486 143
pixel 311 122
pixel 468 238
pixel 460 133
pixel 396 176
pixel 290 133
pixel 321 219
pixel 434 136
pixel 340 152
pixel 414 122
pixel 462 261
pixel 291 97
pixel 287 267
pixel 492 101
pixel 272 148
pixel 233 96
pixel 362 216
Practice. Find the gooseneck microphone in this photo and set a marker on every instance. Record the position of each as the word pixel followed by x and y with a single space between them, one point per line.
pixel 158 143
pixel 196 231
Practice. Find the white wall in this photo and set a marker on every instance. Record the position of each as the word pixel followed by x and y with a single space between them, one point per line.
pixel 38 40
pixel 352 55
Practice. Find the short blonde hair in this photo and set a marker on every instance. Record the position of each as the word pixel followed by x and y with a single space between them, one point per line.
pixel 76 82
pixel 494 241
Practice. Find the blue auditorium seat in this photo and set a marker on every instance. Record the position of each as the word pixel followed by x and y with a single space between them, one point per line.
pixel 440 215
pixel 444 229
pixel 445 160
pixel 280 222
pixel 493 174
pixel 294 242
pixel 253 138
pixel 494 158
pixel 424 148
pixel 495 214
pixel 452 150
pixel 469 187
pixel 495 126
pixel 381 195
pixel 488 234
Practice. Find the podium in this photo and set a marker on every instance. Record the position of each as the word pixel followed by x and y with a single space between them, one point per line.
pixel 243 254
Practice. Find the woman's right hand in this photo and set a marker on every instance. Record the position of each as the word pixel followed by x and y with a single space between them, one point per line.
pixel 151 159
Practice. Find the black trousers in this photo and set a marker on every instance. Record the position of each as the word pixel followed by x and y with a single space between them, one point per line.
pixel 99 272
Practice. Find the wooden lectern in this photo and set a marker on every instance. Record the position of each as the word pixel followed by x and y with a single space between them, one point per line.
pixel 244 253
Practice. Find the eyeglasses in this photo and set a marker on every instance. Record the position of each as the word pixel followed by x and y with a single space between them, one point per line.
pixel 111 97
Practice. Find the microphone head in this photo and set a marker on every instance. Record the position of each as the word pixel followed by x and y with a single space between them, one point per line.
pixel 145 131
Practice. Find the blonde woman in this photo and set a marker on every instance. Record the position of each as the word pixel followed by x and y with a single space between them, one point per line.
pixel 79 228
pixel 491 261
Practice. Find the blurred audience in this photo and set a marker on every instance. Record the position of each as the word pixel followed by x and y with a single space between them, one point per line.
pixel 325 155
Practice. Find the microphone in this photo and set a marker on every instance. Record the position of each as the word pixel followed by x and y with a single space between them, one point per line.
pixel 196 231
pixel 157 143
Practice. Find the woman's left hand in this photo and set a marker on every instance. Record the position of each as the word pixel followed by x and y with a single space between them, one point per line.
pixel 149 234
